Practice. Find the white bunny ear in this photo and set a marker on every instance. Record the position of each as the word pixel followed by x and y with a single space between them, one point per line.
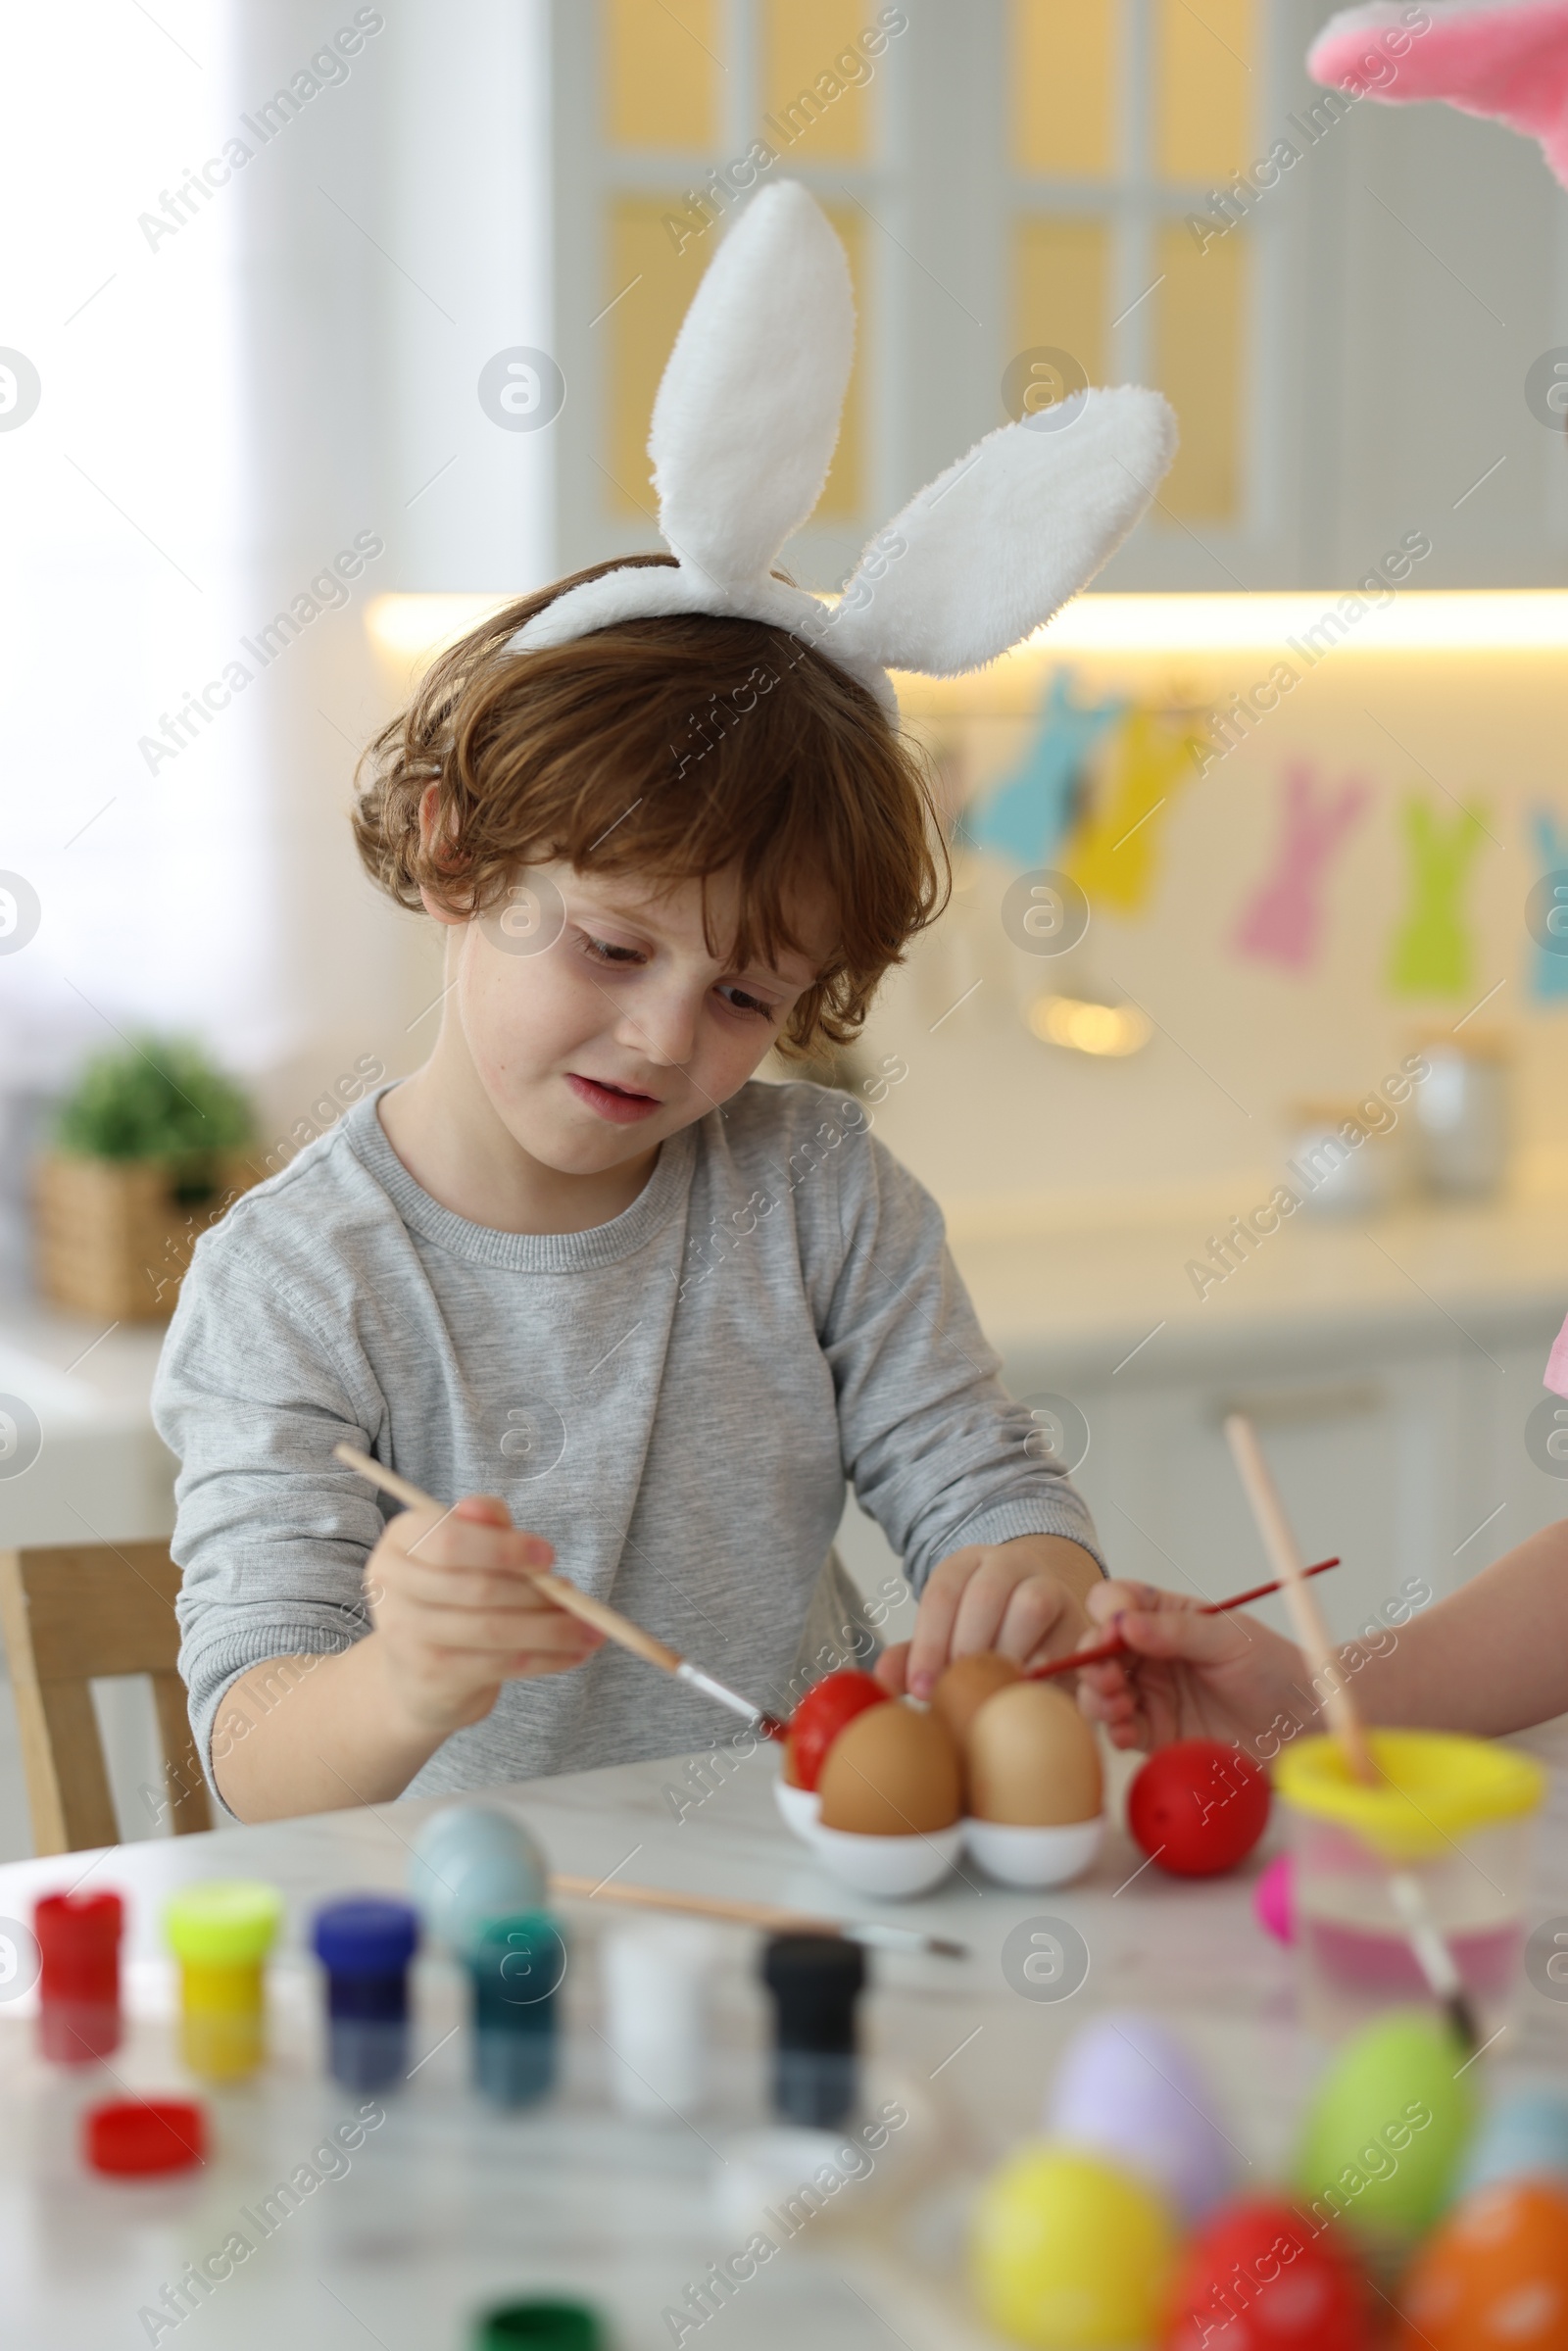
pixel 743 434
pixel 748 409
pixel 996 544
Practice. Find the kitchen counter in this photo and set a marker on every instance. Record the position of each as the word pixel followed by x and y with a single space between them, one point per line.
pixel 1088 1292
pixel 102 1474
pixel 1077 1296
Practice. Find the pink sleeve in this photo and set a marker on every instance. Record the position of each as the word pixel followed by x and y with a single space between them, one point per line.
pixel 1555 1375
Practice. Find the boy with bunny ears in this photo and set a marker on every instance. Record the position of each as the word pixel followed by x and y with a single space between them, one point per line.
pixel 643 1316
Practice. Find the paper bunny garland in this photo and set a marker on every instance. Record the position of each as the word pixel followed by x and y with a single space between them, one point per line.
pixel 743 432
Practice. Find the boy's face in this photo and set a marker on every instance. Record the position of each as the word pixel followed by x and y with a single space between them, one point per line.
pixel 623 1028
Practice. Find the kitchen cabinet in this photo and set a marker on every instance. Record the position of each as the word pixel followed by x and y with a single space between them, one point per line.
pixel 1099 186
pixel 1394 1416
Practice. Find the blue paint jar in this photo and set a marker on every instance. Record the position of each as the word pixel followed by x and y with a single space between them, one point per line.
pixel 365 1944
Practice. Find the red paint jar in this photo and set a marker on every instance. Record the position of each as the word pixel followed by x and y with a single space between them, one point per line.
pixel 78 1984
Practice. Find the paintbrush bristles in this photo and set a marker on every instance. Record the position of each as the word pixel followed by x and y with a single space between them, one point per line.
pixel 1311 1633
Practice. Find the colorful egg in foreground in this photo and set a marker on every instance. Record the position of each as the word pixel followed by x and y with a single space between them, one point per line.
pixel 1388 2129
pixel 1198 1808
pixel 1128 2090
pixel 1260 2277
pixel 820 1716
pixel 892 1772
pixel 1494 2277
pixel 1525 2137
pixel 1069 2253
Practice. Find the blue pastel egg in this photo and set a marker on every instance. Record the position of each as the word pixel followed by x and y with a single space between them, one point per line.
pixel 1525 2137
pixel 472 1863
pixel 1128 2090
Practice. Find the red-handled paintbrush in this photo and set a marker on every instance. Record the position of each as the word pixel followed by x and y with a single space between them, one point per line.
pixel 1119 1648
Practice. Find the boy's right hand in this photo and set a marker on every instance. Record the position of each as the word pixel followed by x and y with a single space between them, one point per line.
pixel 1193 1676
pixel 456 1613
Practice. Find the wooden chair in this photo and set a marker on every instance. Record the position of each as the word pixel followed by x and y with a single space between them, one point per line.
pixel 71 1614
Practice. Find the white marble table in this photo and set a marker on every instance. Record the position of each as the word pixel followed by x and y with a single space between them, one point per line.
pixel 448 2207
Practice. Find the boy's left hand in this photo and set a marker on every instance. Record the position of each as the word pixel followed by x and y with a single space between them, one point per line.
pixel 1024 1597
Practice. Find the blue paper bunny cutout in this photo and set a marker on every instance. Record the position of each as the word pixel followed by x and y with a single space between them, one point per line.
pixel 1029 815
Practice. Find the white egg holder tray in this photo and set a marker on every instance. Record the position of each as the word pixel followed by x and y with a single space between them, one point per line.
pixel 895 1867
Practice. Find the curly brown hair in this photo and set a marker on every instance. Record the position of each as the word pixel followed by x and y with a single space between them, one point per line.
pixel 677 748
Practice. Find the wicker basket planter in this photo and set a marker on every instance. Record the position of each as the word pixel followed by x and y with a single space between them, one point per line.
pixel 115 1236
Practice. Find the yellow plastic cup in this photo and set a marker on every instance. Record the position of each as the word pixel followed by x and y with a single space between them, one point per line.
pixel 1457 1814
pixel 221 1932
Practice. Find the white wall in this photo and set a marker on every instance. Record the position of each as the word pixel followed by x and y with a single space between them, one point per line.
pixel 988 1113
pixel 368 327
pixel 243 395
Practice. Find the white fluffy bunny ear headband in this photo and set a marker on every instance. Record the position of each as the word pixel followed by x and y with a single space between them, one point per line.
pixel 743 434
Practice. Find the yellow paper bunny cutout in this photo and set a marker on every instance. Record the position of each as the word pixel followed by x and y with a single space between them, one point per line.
pixel 1114 856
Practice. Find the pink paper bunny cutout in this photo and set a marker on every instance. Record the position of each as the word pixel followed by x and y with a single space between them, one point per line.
pixel 1505 60
pixel 1283 922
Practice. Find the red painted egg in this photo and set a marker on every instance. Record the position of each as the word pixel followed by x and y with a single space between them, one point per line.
pixel 1260 2276
pixel 1198 1808
pixel 819 1717
pixel 1495 2276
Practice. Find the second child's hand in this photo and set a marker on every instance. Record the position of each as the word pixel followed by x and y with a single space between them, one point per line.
pixel 1193 1675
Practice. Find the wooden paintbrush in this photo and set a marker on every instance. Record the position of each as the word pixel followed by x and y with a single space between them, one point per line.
pixel 886 1935
pixel 1422 1931
pixel 606 1620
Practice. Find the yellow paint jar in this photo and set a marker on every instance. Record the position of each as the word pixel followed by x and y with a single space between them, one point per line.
pixel 221 1932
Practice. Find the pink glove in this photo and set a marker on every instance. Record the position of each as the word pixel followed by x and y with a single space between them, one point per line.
pixel 1506 59
pixel 1555 1375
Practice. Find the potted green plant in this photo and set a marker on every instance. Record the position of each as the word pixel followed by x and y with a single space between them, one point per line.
pixel 149 1150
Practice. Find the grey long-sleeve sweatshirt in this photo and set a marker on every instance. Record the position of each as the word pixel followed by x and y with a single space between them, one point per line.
pixel 673 1398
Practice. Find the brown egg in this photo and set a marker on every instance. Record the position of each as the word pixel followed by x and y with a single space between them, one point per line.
pixel 1032 1761
pixel 967 1684
pixel 892 1772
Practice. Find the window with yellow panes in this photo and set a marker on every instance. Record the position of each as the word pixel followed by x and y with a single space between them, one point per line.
pixel 1124 116
pixel 701 101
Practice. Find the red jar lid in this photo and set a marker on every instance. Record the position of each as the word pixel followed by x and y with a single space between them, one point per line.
pixel 135 2135
pixel 78 1945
